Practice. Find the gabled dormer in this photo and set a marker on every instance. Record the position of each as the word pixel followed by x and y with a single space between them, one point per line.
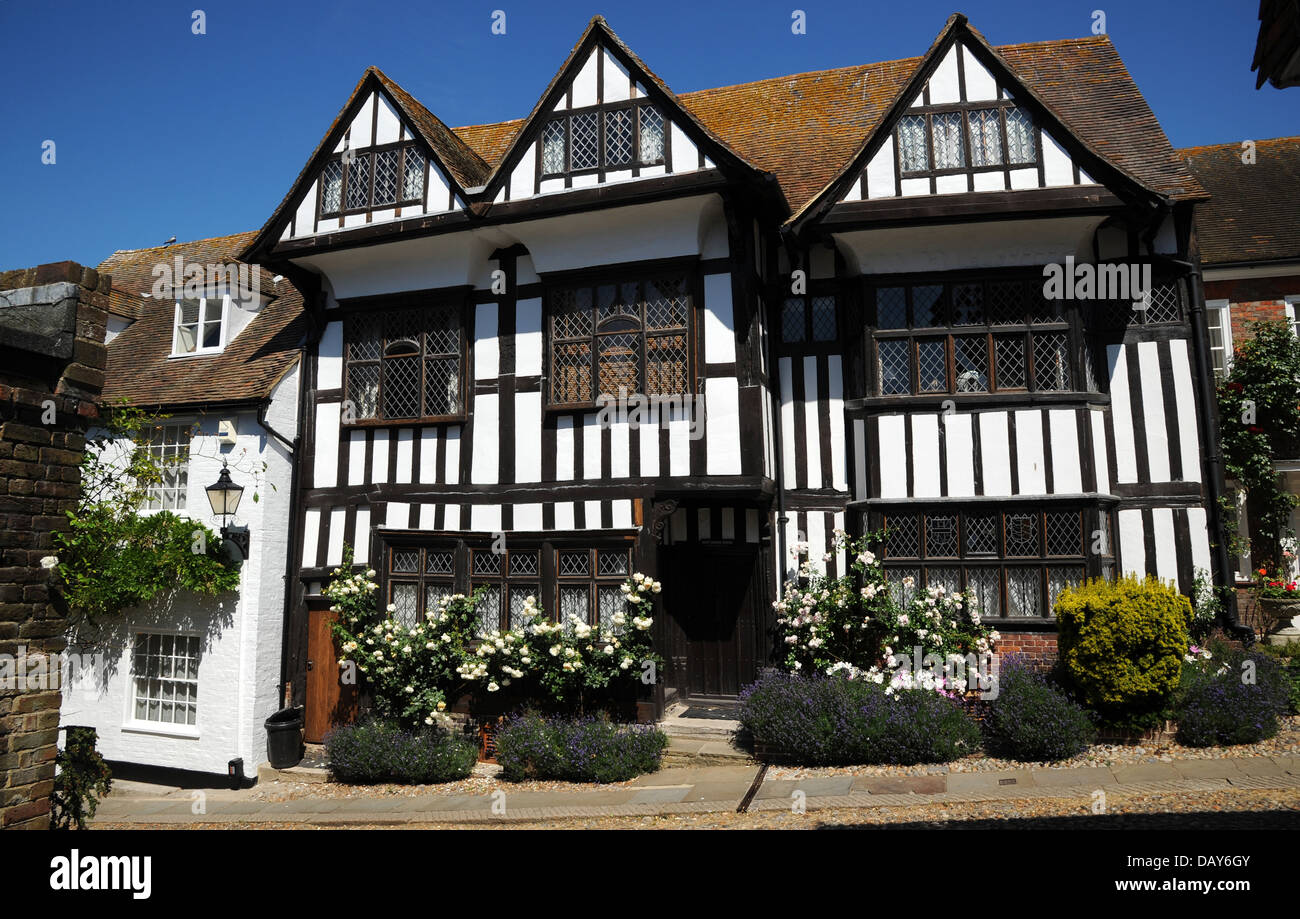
pixel 604 119
pixel 385 159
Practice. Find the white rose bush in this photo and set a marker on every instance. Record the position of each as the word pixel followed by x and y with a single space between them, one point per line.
pixel 852 625
pixel 415 672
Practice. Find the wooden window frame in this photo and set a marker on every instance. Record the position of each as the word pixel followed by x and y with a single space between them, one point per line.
pixel 602 165
pixel 546 546
pixel 1094 564
pixel 379 307
pixel 344 211
pixel 1068 323
pixel 809 345
pixel 965 108
pixel 594 279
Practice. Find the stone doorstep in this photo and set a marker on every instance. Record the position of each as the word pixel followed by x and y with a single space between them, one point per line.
pixel 309 774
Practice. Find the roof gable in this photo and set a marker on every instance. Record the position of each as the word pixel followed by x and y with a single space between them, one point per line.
pixel 379 112
pixel 601 71
pixel 941 71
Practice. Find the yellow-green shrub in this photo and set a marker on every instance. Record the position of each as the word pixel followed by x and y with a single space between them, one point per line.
pixel 1122 644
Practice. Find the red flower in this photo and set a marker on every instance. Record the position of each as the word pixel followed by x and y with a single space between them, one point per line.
pixel 1256 429
pixel 1236 387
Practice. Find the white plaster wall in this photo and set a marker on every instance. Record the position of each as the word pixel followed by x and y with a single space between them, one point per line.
pixel 239 664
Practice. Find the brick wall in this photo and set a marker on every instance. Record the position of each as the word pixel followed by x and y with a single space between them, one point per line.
pixel 1036 646
pixel 1252 299
pixel 52 361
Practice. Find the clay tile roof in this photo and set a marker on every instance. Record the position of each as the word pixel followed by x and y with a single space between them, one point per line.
pixel 1254 210
pixel 466 166
pixel 806 127
pixel 139 369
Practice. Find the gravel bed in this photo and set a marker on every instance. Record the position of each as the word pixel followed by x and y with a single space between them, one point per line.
pixel 1285 743
pixel 484 780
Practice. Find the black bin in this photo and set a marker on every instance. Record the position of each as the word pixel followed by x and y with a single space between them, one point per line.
pixel 284 738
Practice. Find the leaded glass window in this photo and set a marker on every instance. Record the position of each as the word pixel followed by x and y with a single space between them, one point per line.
pixel 404 363
pixel 610 137
pixel 357 181
pixel 991 128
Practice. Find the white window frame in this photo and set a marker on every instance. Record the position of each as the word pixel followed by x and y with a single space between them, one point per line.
pixel 1224 310
pixel 156 492
pixel 1292 301
pixel 205 304
pixel 130 721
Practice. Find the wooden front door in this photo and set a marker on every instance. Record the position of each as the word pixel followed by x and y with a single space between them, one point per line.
pixel 714 641
pixel 329 701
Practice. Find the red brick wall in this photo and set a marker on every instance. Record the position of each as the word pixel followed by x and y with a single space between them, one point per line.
pixel 1037 646
pixel 1253 299
pixel 40 460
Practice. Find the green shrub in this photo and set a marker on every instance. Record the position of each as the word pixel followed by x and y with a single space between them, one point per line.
pixel 828 720
pixel 374 751
pixel 83 778
pixel 1121 646
pixel 1033 721
pixel 590 749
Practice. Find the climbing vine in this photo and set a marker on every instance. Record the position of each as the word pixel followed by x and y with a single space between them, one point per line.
pixel 110 557
pixel 1259 411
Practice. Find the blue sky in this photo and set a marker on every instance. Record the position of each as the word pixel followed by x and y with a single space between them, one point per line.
pixel 160 132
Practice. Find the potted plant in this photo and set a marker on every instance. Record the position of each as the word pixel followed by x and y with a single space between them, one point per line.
pixel 1279 601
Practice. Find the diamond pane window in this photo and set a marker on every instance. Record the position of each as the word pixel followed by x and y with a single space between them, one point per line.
pixel 1025 592
pixel 1022 534
pixel 486 562
pixel 358 189
pixel 385 177
pixel 413 174
pixel 1063 533
pixel 523 563
pixel 902 536
pixel 903 584
pixel 941 536
pixel 891 308
pixel 1009 354
pixel 652 134
pixel 574 601
pixel 986 585
pixel 1051 362
pixel 1162 304
pixel 985 137
pixel 434 594
pixel 618 136
pixel 611 563
pixel 331 187
pixel 894 367
pixel 927 306
pixel 949 145
pixel 406 560
pixel 823 319
pixel 610 601
pixel 404 364
pixel 947 578
pixel 405 598
pixel 1020 137
pixel 519 594
pixel 792 320
pixel 971 360
pixel 489 609
pixel 968 304
pixel 932 365
pixel 584 141
pixel 441 562
pixel 912 153
pixel 553 147
pixel 1058 579
pixel 1006 303
pixel 982 534
pixel 574 564
pixel 629 335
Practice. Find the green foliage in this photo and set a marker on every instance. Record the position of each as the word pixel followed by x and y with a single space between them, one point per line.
pixel 1208 603
pixel 585 749
pixel 1259 422
pixel 377 751
pixel 1121 645
pixel 1229 696
pixel 415 670
pixel 1288 655
pixel 83 778
pixel 1033 721
pixel 111 557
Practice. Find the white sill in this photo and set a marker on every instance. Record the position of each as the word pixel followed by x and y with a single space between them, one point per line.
pixel 182 731
pixel 207 352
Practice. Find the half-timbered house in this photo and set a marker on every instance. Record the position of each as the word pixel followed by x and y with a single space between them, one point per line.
pixel 682 334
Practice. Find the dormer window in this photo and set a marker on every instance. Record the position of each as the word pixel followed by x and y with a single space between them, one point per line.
pixel 609 137
pixel 200 325
pixel 355 182
pixel 965 138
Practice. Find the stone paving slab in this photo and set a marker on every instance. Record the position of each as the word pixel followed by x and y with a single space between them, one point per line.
pixel 1207 769
pixel 1259 765
pixel 691 775
pixel 1082 776
pixel 818 787
pixel 669 793
pixel 900 784
pixel 973 781
pixel 1145 772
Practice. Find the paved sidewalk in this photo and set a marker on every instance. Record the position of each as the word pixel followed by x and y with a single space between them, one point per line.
pixel 702 789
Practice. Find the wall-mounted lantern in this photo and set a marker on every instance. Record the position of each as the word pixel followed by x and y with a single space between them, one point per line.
pixel 224 496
